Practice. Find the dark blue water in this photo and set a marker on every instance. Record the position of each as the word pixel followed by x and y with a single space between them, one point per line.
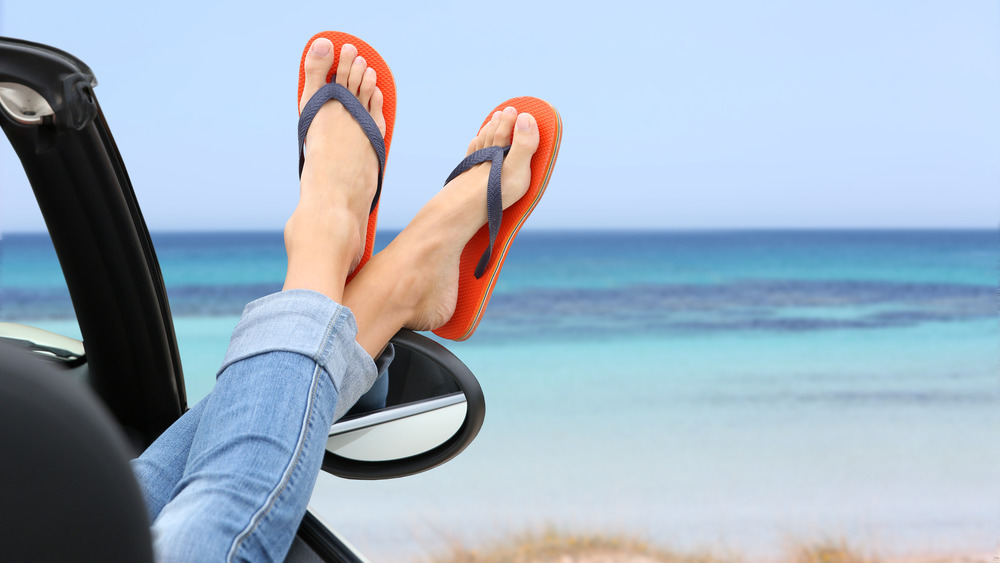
pixel 590 284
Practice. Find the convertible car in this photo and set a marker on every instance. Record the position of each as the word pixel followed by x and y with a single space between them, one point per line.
pixel 73 412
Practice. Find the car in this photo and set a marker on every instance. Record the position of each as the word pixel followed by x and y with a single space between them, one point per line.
pixel 123 385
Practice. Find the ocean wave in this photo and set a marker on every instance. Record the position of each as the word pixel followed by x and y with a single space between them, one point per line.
pixel 770 306
pixel 185 300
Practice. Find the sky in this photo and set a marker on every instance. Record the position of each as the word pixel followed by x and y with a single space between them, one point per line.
pixel 677 115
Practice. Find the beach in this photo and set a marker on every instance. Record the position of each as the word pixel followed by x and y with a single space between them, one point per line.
pixel 694 389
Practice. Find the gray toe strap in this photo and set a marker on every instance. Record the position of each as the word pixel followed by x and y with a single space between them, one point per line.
pixel 334 91
pixel 494 199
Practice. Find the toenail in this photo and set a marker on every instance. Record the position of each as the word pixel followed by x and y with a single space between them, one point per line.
pixel 523 122
pixel 321 48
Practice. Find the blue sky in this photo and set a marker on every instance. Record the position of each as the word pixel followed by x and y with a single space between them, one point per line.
pixel 677 114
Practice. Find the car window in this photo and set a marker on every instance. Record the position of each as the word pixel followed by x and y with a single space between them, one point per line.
pixel 36 312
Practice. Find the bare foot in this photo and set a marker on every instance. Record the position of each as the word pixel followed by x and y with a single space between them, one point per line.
pixel 324 237
pixel 413 283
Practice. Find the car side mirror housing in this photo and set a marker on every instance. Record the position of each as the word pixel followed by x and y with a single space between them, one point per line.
pixel 434 409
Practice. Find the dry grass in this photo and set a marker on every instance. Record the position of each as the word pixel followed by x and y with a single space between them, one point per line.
pixel 829 551
pixel 553 546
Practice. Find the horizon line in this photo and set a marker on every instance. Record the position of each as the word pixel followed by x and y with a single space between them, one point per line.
pixel 596 230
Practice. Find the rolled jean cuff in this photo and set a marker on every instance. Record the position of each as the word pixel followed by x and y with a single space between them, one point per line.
pixel 309 323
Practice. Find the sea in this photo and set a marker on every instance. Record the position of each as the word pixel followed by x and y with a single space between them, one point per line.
pixel 739 390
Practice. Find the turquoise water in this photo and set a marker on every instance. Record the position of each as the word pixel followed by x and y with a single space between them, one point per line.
pixel 724 388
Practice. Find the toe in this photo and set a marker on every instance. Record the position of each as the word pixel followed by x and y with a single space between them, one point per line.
pixel 485 137
pixel 347 54
pixel 357 74
pixel 525 136
pixel 501 137
pixel 316 67
pixel 517 165
pixel 367 87
pixel 375 108
pixel 482 131
pixel 478 141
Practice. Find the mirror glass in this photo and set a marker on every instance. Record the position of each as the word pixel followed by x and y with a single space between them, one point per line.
pixel 398 434
pixel 424 406
pixel 433 408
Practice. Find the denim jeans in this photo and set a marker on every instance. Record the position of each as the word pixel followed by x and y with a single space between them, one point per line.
pixel 230 480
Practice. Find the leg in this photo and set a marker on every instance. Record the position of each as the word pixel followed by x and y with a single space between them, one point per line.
pixel 293 364
pixel 161 466
pixel 375 398
pixel 298 359
pixel 292 367
pixel 413 283
pixel 337 154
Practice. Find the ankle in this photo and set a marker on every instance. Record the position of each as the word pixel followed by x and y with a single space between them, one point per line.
pixel 456 213
pixel 381 299
pixel 323 247
pixel 334 227
pixel 404 288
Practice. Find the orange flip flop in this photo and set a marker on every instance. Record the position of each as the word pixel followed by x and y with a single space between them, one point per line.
pixel 481 262
pixel 385 83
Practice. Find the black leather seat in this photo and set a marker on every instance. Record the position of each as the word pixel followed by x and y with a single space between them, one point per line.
pixel 68 493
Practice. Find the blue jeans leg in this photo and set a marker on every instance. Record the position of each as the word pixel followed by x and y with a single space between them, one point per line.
pixel 160 468
pixel 292 367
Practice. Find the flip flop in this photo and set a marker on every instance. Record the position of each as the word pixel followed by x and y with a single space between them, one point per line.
pixel 485 253
pixel 384 82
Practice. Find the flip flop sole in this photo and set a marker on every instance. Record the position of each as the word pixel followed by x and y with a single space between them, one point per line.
pixel 385 84
pixel 474 294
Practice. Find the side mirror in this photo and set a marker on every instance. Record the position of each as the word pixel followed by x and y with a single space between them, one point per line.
pixel 434 409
